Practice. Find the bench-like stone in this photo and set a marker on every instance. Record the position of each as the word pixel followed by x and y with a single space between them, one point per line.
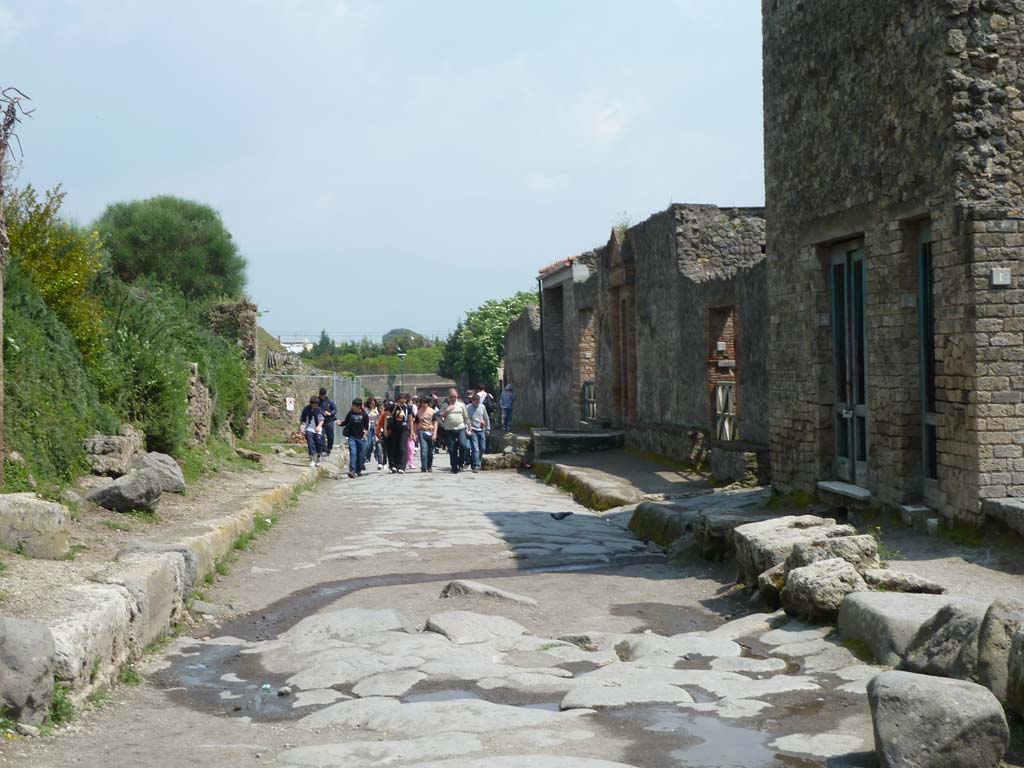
pixel 887 622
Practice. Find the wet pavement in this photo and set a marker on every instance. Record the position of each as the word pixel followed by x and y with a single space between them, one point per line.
pixel 342 651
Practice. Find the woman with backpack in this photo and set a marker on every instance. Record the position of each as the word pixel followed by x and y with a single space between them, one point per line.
pixel 396 433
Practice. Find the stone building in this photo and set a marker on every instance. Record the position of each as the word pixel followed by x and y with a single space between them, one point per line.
pixel 658 333
pixel 894 143
pixel 683 354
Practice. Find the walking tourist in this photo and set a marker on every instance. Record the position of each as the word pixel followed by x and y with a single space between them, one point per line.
pixel 373 445
pixel 480 425
pixel 426 428
pixel 355 426
pixel 396 432
pixel 330 411
pixel 312 421
pixel 382 424
pixel 410 448
pixel 455 419
pixel 508 399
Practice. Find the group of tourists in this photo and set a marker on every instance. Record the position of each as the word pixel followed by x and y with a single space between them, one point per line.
pixel 392 432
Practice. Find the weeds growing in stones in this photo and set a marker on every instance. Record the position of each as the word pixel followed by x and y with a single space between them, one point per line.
pixel 884 552
pixel 860 649
pixel 115 525
pixel 98 698
pixel 144 515
pixel 73 551
pixel 94 672
pixel 221 567
pixel 62 710
pixel 129 676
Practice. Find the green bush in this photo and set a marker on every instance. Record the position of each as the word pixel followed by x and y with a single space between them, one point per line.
pixel 50 402
pixel 174 241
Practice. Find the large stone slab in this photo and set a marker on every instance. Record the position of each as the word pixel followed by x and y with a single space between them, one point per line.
pixel 816 591
pixel 113 454
pixel 886 580
pixel 1003 619
pixel 138 491
pixel 355 754
pixel 26 670
pixel 764 544
pixel 887 622
pixel 947 644
pixel 462 627
pixel 33 526
pixel 594 695
pixel 922 721
pixel 172 479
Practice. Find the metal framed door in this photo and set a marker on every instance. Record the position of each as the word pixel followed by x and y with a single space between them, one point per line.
pixel 929 415
pixel 850 413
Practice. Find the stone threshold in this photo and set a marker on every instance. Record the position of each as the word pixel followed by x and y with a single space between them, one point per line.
pixel 849 490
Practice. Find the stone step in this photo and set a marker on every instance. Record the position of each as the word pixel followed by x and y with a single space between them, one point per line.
pixel 1009 511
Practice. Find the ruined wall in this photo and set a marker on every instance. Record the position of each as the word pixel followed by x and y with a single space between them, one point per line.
pixel 523 367
pixel 881 117
pixel 237 321
pixel 691 260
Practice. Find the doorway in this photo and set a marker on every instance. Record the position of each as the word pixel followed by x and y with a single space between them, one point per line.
pixel 850 412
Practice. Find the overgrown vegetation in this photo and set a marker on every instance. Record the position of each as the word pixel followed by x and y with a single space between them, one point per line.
pixel 84 350
pixel 62 710
pixel 476 346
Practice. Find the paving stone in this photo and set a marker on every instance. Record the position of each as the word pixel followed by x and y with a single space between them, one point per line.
pixel 388 683
pixel 648 647
pixel 524 761
pixel 820 744
pixel 884 579
pixel 594 695
pixel 749 626
pixel 362 754
pixel 747 664
pixel 794 632
pixel 463 627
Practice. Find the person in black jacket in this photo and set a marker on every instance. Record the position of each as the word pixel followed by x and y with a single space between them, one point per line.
pixel 312 421
pixel 396 432
pixel 330 411
pixel 355 426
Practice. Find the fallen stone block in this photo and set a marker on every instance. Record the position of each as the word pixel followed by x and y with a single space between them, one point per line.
pixel 138 491
pixel 947 644
pixel 860 551
pixel 254 456
pixel 33 526
pixel 932 722
pixel 885 580
pixel 888 622
pixel 26 670
pixel 499 461
pixel 172 479
pixel 1015 674
pixel 765 544
pixel 1003 619
pixel 816 591
pixel 112 455
pixel 476 589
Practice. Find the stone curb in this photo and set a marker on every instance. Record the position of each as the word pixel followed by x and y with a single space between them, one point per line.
pixel 590 492
pixel 130 604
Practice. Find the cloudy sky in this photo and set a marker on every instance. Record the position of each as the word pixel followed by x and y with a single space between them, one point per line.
pixel 401 160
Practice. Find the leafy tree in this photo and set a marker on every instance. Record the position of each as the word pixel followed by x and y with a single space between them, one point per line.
pixel 404 338
pixel 174 241
pixel 324 346
pixel 476 346
pixel 61 261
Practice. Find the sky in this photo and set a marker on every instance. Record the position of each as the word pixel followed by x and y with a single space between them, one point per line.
pixel 392 163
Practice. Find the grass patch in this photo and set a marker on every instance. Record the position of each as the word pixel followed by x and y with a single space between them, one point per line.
pixel 74 550
pixel 860 649
pixel 95 671
pixel 208 579
pixel 242 542
pixel 144 515
pixel 62 710
pixel 791 500
pixel 221 567
pixel 98 698
pixel 216 457
pixel 3 566
pixel 129 676
pixel 116 525
pixel 262 524
pixel 964 534
pixel 196 594
pixel 884 552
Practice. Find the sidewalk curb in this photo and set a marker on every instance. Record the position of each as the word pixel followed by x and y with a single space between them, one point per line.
pixel 588 491
pixel 136 600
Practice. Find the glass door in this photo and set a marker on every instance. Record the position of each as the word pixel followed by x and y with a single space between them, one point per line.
pixel 929 416
pixel 850 412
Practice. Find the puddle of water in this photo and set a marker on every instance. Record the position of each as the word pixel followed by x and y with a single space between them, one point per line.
pixel 452 694
pixel 667 619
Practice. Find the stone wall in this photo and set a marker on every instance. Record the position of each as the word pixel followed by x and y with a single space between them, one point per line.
pixel 523 367
pixel 692 261
pixel 415 383
pixel 884 120
pixel 237 321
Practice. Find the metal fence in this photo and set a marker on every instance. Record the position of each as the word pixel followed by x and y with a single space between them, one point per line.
pixel 281 397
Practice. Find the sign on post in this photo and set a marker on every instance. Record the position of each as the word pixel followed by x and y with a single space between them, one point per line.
pixel 289 404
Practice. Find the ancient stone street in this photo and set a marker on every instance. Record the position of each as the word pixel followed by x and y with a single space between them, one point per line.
pixel 567 644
